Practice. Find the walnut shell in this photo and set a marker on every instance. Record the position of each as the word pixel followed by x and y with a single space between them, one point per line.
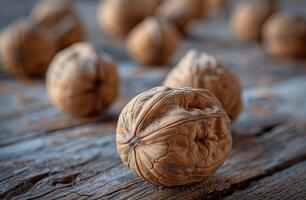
pixel 181 12
pixel 285 35
pixel 172 137
pixel 200 70
pixel 60 17
pixel 26 50
pixel 117 17
pixel 248 18
pixel 81 82
pixel 153 41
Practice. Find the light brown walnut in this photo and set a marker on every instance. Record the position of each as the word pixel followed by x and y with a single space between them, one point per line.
pixel 285 35
pixel 61 18
pixel 117 17
pixel 248 18
pixel 26 50
pixel 200 70
pixel 153 41
pixel 173 137
pixel 181 12
pixel 81 82
pixel 215 5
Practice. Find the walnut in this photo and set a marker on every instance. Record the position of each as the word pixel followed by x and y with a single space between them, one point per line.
pixel 26 50
pixel 248 18
pixel 200 70
pixel 181 12
pixel 153 41
pixel 215 5
pixel 60 17
pixel 117 17
pixel 285 35
pixel 172 136
pixel 81 82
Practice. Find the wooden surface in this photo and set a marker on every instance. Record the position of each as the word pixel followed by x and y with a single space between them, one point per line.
pixel 47 154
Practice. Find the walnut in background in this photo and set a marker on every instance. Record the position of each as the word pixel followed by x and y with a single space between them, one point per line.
pixel 26 49
pixel 60 17
pixel 285 35
pixel 248 18
pixel 117 17
pixel 153 41
pixel 173 137
pixel 181 12
pixel 81 82
pixel 200 70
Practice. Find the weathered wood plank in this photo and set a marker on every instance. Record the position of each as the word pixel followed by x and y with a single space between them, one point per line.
pixel 83 161
pixel 287 184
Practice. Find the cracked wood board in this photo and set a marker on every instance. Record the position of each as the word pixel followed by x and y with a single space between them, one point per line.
pixel 83 161
pixel 276 186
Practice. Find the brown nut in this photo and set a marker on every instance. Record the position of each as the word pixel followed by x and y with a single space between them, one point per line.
pixel 153 41
pixel 215 5
pixel 117 17
pixel 285 35
pixel 248 18
pixel 200 70
pixel 26 50
pixel 173 137
pixel 81 82
pixel 60 17
pixel 181 12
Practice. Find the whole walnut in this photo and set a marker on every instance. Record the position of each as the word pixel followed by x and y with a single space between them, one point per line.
pixel 200 70
pixel 117 17
pixel 173 137
pixel 60 17
pixel 181 12
pixel 153 41
pixel 248 18
pixel 81 82
pixel 26 50
pixel 285 35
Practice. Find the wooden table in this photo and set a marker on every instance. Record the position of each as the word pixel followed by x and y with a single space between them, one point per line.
pixel 47 154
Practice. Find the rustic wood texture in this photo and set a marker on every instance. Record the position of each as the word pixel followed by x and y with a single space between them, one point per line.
pixel 47 154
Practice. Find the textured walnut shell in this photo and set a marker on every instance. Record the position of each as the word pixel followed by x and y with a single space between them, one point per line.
pixel 26 50
pixel 153 41
pixel 117 17
pixel 60 17
pixel 200 70
pixel 81 82
pixel 248 18
pixel 285 35
pixel 181 12
pixel 173 137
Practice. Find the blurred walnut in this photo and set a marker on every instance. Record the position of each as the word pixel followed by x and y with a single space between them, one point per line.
pixel 181 12
pixel 118 17
pixel 248 18
pixel 61 18
pixel 26 50
pixel 285 35
pixel 215 5
pixel 173 137
pixel 200 70
pixel 153 41
pixel 81 82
